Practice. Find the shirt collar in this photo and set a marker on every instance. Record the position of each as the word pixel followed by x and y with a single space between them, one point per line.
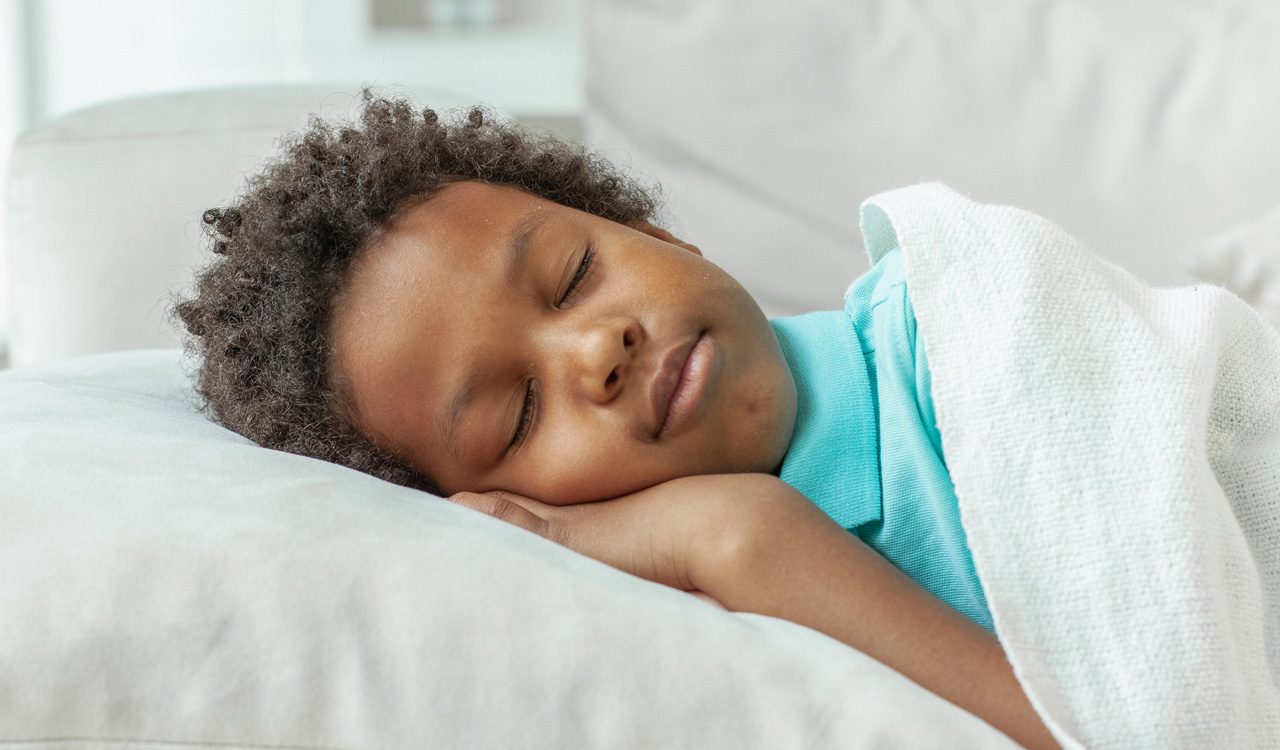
pixel 833 458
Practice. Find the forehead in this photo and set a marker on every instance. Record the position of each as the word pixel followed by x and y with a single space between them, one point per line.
pixel 468 206
pixel 450 238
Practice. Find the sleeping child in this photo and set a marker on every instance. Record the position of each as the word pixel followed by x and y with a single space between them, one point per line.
pixel 493 316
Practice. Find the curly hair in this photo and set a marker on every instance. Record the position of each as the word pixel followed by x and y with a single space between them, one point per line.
pixel 260 318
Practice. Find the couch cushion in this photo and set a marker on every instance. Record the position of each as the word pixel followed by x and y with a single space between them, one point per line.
pixel 1136 125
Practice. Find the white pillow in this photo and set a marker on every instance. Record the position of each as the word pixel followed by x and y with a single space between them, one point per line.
pixel 164 580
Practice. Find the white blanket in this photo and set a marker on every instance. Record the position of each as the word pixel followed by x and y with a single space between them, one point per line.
pixel 1116 453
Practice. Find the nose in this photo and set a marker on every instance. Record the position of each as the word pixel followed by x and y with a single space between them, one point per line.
pixel 601 355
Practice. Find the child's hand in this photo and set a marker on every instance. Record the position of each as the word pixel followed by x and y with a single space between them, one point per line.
pixel 668 533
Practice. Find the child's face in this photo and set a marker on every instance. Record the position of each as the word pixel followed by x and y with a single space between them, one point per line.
pixel 446 337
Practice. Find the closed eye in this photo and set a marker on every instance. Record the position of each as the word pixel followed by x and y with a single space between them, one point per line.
pixel 583 267
pixel 526 417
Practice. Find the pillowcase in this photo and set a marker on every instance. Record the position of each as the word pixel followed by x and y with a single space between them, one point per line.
pixel 165 580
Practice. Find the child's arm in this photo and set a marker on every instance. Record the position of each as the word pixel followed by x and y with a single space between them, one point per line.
pixel 799 565
pixel 755 544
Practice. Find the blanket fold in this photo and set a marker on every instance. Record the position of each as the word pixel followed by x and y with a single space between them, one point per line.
pixel 1116 454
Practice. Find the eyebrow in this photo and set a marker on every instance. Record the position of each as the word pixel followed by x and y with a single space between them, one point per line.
pixel 461 400
pixel 518 242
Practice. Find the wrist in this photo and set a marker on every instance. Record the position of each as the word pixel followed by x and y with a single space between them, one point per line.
pixel 742 513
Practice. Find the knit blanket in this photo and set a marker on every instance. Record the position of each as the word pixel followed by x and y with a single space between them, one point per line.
pixel 1116 454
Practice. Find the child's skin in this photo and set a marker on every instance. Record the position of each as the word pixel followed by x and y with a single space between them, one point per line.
pixel 692 504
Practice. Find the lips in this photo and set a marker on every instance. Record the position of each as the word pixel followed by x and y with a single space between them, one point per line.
pixel 681 380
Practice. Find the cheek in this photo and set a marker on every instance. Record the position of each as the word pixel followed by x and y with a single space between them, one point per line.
pixel 760 436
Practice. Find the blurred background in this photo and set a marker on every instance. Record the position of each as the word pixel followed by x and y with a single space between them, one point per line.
pixel 1147 128
pixel 59 56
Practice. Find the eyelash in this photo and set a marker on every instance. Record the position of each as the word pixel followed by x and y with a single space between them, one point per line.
pixel 530 400
pixel 526 417
pixel 587 258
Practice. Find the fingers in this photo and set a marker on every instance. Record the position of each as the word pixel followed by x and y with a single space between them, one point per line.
pixel 506 506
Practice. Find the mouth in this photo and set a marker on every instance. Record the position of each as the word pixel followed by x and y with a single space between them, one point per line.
pixel 680 384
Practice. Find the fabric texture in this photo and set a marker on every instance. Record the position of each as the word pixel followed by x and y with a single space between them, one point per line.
pixel 1115 450
pixel 866 448
pixel 168 584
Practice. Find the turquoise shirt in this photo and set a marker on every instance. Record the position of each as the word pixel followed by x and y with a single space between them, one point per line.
pixel 866 448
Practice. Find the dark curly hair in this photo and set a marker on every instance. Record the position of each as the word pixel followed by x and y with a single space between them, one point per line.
pixel 260 318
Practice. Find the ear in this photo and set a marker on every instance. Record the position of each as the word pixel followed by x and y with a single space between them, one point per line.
pixel 665 236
